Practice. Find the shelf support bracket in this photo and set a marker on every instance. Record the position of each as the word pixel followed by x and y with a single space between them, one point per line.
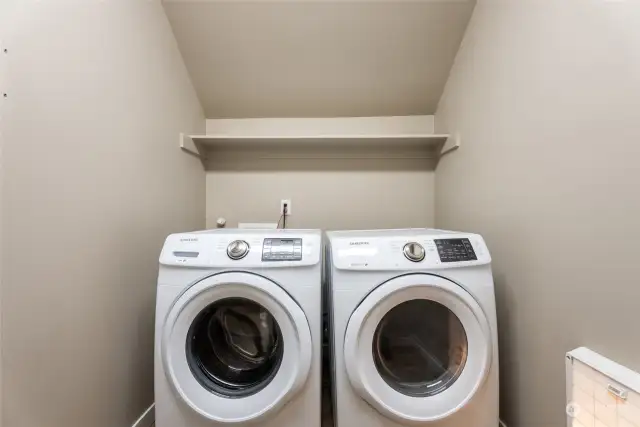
pixel 451 144
pixel 187 145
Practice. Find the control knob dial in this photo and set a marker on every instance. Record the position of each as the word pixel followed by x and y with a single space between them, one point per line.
pixel 237 249
pixel 413 251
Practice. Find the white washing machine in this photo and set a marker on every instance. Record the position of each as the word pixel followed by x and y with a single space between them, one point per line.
pixel 239 329
pixel 414 329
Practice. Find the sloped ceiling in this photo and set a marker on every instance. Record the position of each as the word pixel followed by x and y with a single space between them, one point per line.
pixel 318 58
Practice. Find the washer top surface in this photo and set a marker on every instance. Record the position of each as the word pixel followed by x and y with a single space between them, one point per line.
pixel 392 232
pixel 255 231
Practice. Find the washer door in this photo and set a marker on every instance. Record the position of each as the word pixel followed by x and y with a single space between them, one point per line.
pixel 236 347
pixel 417 348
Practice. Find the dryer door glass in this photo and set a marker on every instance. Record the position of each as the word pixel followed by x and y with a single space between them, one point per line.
pixel 234 347
pixel 420 348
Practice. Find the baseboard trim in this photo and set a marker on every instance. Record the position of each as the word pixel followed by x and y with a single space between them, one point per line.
pixel 147 418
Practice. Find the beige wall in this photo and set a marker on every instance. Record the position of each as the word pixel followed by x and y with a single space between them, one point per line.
pixel 546 97
pixel 326 199
pixel 370 126
pixel 331 187
pixel 4 12
pixel 92 182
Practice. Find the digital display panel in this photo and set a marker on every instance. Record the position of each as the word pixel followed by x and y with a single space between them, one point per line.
pixel 453 250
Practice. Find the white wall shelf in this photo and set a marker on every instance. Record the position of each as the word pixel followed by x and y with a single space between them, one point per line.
pixel 199 144
pixel 408 137
pixel 301 139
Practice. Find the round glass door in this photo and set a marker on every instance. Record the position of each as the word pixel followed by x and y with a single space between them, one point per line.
pixel 234 347
pixel 417 336
pixel 420 348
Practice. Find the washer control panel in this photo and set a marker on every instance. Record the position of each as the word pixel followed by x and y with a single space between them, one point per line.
pixel 230 248
pixel 280 249
pixel 454 250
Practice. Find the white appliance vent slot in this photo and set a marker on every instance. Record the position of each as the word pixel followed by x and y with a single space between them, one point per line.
pixel 600 392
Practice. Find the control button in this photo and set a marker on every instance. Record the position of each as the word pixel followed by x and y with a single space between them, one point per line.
pixel 413 251
pixel 237 249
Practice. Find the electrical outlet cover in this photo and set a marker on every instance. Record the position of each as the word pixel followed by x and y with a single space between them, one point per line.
pixel 288 203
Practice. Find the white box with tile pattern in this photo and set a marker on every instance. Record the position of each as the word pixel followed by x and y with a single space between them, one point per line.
pixel 600 392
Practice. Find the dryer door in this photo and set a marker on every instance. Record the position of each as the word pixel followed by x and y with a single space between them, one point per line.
pixel 236 347
pixel 418 348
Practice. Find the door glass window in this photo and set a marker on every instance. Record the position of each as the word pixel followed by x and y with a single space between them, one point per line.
pixel 420 348
pixel 234 347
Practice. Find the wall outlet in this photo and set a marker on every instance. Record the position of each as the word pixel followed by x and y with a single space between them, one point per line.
pixel 285 202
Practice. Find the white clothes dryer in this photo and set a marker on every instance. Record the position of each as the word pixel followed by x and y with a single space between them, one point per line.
pixel 239 329
pixel 414 331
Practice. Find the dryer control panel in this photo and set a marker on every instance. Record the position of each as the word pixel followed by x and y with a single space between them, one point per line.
pixel 452 250
pixel 407 250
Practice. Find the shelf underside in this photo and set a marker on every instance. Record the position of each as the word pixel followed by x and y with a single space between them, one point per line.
pixel 317 152
pixel 340 140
